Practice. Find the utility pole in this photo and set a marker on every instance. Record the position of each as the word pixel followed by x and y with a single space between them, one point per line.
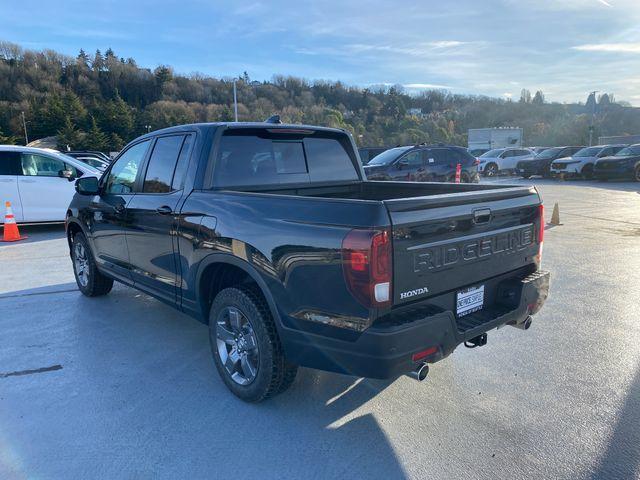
pixel 24 125
pixel 593 116
pixel 235 100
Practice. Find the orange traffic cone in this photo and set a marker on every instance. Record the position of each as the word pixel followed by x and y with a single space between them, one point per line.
pixel 11 233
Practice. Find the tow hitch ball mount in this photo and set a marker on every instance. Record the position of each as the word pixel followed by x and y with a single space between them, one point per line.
pixel 478 341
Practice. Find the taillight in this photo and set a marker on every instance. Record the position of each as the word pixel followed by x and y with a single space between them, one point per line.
pixel 367 265
pixel 540 232
pixel 476 162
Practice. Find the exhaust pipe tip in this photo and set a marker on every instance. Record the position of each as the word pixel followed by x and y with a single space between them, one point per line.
pixel 420 373
pixel 523 325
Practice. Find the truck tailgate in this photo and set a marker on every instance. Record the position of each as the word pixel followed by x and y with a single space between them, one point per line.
pixel 448 242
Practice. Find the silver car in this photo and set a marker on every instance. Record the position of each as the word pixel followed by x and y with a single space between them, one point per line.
pixel 502 160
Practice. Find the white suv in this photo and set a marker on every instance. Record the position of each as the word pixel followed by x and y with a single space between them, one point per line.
pixel 38 182
pixel 581 163
pixel 502 160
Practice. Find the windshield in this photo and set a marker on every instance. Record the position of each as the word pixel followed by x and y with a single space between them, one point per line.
pixel 588 152
pixel 628 151
pixel 492 153
pixel 550 153
pixel 388 156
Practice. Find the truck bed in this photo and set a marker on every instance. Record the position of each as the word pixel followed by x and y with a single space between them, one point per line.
pixel 398 191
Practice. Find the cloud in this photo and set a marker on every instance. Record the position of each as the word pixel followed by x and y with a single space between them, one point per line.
pixel 607 4
pixel 425 86
pixel 447 43
pixel 609 47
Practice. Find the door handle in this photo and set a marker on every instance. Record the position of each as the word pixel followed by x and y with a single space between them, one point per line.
pixel 24 180
pixel 164 210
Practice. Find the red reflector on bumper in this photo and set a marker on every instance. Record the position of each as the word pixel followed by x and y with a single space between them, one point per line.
pixel 424 354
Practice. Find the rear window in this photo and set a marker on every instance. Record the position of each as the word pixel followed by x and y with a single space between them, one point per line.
pixel 255 157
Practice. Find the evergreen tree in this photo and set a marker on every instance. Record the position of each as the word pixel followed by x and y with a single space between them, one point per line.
pixel 95 139
pixel 98 62
pixel 115 143
pixel 538 98
pixel 83 59
pixel 73 108
pixel 525 96
pixel 68 136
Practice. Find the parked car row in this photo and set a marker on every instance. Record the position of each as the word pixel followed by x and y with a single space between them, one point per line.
pixel 438 163
pixel 600 161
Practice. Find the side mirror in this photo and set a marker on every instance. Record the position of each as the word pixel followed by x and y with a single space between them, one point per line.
pixel 68 174
pixel 87 186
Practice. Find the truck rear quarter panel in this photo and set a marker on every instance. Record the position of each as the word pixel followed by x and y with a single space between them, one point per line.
pixel 294 243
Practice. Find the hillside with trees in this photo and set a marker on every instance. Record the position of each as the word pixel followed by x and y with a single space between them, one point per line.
pixel 100 101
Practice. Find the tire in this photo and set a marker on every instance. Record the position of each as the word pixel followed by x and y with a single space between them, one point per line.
pixel 526 176
pixel 245 345
pixel 90 281
pixel 587 172
pixel 491 170
pixel 636 174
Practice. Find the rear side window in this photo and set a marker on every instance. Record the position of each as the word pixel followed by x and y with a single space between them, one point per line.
pixel 462 157
pixel 440 155
pixel 255 157
pixel 183 162
pixel 10 163
pixel 162 164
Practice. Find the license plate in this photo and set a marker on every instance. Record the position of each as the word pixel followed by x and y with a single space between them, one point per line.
pixel 469 300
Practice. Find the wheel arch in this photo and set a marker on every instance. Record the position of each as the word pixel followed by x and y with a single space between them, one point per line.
pixel 73 227
pixel 218 271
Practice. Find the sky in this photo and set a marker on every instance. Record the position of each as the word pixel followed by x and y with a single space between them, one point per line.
pixel 566 48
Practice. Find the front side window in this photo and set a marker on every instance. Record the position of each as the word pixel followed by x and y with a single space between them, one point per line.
pixel 122 177
pixel 549 154
pixel 413 159
pixel 492 153
pixel 162 164
pixel 36 165
pixel 388 156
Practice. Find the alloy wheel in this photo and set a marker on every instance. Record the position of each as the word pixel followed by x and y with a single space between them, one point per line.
pixel 81 262
pixel 237 345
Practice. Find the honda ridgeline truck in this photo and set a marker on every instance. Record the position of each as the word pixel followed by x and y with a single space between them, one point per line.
pixel 272 235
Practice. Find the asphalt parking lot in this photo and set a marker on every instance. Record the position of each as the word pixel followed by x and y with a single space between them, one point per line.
pixel 124 387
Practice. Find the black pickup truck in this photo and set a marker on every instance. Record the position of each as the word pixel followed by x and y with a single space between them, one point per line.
pixel 272 236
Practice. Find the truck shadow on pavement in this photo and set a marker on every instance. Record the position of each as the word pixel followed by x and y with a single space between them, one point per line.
pixel 138 395
pixel 622 457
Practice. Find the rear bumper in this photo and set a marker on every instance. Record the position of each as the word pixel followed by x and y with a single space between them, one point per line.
pixel 385 350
